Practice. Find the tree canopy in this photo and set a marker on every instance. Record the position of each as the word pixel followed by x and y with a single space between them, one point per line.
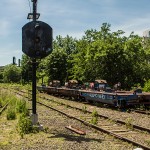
pixel 99 54
pixel 12 74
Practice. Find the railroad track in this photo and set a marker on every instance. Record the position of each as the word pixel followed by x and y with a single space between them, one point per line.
pixel 105 124
pixel 3 108
pixel 99 115
pixel 142 112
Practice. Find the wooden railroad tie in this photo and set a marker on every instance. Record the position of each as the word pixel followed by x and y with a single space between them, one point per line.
pixel 76 130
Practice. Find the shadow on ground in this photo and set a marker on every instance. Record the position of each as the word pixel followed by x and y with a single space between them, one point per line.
pixel 73 137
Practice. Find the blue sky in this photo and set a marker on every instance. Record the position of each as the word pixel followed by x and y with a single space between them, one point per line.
pixel 69 17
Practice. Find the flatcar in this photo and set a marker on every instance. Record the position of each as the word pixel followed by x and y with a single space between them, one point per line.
pixel 99 92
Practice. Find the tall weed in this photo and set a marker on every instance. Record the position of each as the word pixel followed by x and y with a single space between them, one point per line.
pixel 11 114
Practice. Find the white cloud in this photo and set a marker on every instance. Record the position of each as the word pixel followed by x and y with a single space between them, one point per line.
pixel 69 17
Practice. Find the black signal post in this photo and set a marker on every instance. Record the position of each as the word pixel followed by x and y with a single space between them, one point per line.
pixel 37 44
pixel 34 86
pixel 34 67
pixel 34 9
pixel 34 114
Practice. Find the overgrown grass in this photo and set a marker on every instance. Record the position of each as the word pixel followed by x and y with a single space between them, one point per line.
pixel 4 98
pixel 11 114
pixel 18 109
pixel 22 107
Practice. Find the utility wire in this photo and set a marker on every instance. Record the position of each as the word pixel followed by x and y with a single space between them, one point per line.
pixel 29 5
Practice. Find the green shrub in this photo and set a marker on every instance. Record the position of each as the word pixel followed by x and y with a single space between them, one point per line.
pixel 24 125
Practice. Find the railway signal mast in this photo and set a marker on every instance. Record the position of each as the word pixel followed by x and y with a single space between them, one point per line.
pixel 37 44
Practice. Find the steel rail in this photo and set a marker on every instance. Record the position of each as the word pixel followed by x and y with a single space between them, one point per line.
pixel 106 117
pixel 142 112
pixel 94 126
pixel 97 127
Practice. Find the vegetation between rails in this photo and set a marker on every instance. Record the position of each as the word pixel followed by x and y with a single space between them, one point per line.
pixel 94 119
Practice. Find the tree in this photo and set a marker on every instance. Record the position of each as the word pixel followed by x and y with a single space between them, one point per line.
pixel 58 63
pixel 26 68
pixel 99 54
pixel 12 73
pixel 41 73
pixel 111 56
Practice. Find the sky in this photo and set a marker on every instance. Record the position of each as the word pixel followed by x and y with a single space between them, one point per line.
pixel 69 17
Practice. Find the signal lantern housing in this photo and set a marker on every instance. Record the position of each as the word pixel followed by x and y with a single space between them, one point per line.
pixel 37 39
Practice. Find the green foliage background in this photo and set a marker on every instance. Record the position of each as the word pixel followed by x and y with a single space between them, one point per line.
pixel 11 74
pixel 99 54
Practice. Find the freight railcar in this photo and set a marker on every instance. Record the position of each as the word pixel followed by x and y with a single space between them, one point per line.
pixel 102 94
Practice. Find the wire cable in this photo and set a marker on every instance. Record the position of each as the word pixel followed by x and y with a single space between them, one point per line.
pixel 29 5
